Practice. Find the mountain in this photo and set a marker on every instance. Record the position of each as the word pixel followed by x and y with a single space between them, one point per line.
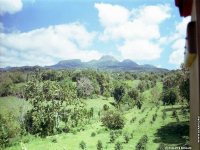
pixel 107 58
pixel 73 63
pixel 104 63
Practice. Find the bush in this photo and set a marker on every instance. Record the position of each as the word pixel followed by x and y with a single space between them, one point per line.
pixel 174 113
pixel 113 120
pixel 9 129
pixel 82 145
pixel 164 115
pixel 127 137
pixel 54 140
pixel 112 136
pixel 99 145
pixel 141 145
pixel 93 134
pixel 105 107
pixel 118 146
pixel 84 87
pixel 5 86
pixel 133 120
pixel 142 121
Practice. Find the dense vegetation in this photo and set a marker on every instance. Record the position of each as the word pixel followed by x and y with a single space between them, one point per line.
pixel 68 102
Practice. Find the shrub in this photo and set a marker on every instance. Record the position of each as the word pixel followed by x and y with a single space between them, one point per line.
pixel 133 120
pixel 105 107
pixel 151 122
pixel 112 136
pixel 99 145
pixel 118 146
pixel 113 120
pixel 9 129
pixel 54 140
pixel 126 137
pixel 5 86
pixel 142 121
pixel 93 134
pixel 154 117
pixel 164 115
pixel 66 129
pixel 82 145
pixel 141 145
pixel 174 113
pixel 142 111
pixel 84 87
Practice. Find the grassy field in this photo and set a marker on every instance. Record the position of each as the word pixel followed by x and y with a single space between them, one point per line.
pixel 13 104
pixel 161 131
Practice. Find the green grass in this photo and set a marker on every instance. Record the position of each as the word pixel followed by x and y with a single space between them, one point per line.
pixel 13 104
pixel 132 83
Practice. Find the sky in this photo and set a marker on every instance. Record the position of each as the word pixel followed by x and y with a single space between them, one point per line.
pixel 44 32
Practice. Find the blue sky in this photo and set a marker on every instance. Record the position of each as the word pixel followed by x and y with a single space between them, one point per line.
pixel 43 32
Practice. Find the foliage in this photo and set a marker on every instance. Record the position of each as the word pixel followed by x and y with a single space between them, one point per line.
pixel 52 75
pixel 99 145
pixel 127 137
pixel 169 97
pixel 161 147
pixel 9 128
pixel 84 87
pixel 118 93
pixel 113 120
pixel 112 136
pixel 185 89
pixel 118 146
pixel 164 115
pixel 105 107
pixel 141 145
pixel 184 84
pixel 93 134
pixel 48 99
pixel 133 120
pixel 5 86
pixel 82 145
pixel 133 93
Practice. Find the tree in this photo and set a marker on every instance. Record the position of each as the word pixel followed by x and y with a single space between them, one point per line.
pixel 118 93
pixel 113 120
pixel 49 100
pixel 5 85
pixel 99 145
pixel 142 86
pixel 185 89
pixel 84 87
pixel 82 145
pixel 169 97
pixel 133 93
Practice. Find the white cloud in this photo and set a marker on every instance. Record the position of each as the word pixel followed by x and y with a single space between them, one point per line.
pixel 177 55
pixel 10 6
pixel 138 29
pixel 137 50
pixel 111 15
pixel 178 38
pixel 45 46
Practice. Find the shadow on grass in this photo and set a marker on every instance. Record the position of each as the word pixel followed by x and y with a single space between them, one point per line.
pixel 176 108
pixel 172 133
